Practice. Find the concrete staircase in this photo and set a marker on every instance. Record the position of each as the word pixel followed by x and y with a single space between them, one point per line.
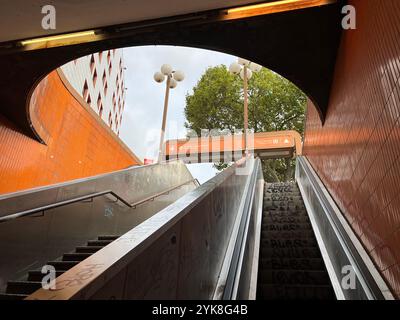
pixel 18 290
pixel 291 265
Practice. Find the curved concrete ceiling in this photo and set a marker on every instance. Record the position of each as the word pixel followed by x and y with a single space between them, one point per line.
pixel 21 19
pixel 300 45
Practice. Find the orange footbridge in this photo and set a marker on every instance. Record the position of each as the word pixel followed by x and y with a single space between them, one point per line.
pixel 265 145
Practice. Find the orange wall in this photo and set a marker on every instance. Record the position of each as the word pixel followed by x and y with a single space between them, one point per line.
pixel 356 153
pixel 78 143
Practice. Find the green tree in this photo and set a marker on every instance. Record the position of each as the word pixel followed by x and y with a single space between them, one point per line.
pixel 275 104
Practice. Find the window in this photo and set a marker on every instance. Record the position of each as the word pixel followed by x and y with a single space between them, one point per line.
pixel 109 57
pixel 101 111
pixel 99 104
pixel 88 100
pixel 110 119
pixel 105 89
pixel 85 91
pixel 100 55
pixel 94 78
pixel 104 77
pixel 91 63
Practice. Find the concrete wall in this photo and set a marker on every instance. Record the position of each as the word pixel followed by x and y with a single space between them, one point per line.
pixel 356 152
pixel 78 143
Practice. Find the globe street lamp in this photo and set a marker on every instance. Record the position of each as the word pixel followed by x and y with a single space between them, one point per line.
pixel 173 77
pixel 245 69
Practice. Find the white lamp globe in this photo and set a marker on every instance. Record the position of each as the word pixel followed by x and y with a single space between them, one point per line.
pixel 179 75
pixel 243 62
pixel 255 67
pixel 166 69
pixel 249 74
pixel 159 77
pixel 235 68
pixel 173 83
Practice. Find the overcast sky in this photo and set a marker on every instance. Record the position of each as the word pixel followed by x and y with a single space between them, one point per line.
pixel 141 122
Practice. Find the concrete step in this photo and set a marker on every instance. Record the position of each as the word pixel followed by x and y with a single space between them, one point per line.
pixel 294 292
pixel 75 256
pixel 306 252
pixel 37 275
pixel 99 243
pixel 108 237
pixel 88 249
pixel 297 277
pixel 12 296
pixel 23 287
pixel 63 265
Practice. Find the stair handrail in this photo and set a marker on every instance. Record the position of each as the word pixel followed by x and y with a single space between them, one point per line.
pixel 91 196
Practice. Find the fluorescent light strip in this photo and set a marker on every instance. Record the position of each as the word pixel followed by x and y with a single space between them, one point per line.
pixel 58 37
pixel 284 5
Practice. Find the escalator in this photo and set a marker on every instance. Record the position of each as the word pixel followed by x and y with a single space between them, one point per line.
pixel 232 238
pixel 290 266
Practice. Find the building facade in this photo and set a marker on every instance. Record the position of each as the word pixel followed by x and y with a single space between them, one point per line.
pixel 99 79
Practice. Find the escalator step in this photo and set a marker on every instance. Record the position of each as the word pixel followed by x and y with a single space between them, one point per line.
pixel 283 203
pixel 88 249
pixel 288 219
pixel 23 287
pixel 305 252
pixel 37 275
pixel 280 213
pixel 297 277
pixel 308 234
pixel 99 243
pixel 292 264
pixel 293 292
pixel 285 207
pixel 63 265
pixel 75 256
pixel 286 226
pixel 12 296
pixel 108 237
pixel 288 243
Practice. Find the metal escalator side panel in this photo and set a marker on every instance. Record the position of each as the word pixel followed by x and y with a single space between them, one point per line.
pixel 343 252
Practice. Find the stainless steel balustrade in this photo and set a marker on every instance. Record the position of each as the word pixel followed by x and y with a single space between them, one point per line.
pixel 180 252
pixel 339 246
pixel 28 239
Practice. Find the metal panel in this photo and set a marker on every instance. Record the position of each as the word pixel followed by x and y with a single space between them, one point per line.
pixel 339 246
pixel 191 235
pixel 30 242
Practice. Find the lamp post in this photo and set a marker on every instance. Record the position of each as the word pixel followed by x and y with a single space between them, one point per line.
pixel 245 69
pixel 172 81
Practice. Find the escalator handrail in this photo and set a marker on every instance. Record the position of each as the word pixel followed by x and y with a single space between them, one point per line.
pixel 231 281
pixel 90 196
